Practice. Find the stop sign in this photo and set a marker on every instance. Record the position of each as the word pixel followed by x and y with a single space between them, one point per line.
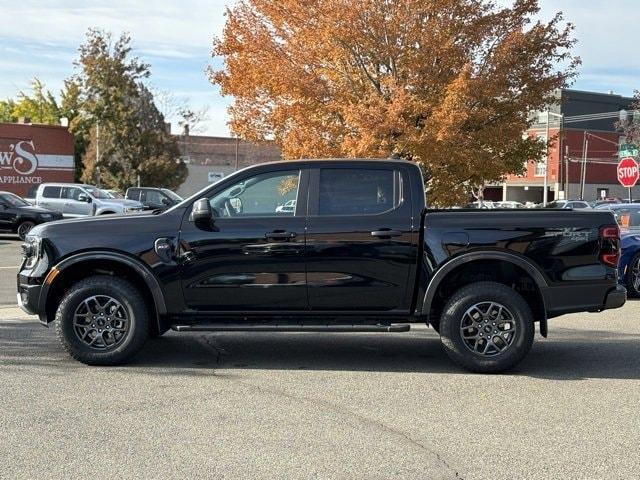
pixel 628 173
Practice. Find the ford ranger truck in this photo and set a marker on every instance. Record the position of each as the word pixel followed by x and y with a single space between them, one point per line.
pixel 359 252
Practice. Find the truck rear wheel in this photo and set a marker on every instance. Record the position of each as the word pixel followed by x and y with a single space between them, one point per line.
pixel 486 327
pixel 102 320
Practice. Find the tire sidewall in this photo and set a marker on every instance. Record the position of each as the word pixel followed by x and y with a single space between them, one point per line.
pixel 133 304
pixel 486 292
pixel 25 222
pixel 629 280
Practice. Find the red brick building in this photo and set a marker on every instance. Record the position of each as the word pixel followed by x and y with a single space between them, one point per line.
pixel 33 154
pixel 585 139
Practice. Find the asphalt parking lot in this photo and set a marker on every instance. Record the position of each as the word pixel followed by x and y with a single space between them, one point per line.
pixel 240 405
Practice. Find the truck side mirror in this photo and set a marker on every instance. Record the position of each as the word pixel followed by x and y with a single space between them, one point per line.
pixel 83 197
pixel 201 212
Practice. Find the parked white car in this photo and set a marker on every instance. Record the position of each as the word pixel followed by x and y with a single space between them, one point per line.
pixel 288 207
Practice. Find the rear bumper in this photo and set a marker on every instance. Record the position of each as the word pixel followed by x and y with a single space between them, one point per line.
pixel 615 298
pixel 592 297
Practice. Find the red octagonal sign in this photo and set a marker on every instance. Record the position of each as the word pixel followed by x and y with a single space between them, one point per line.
pixel 628 173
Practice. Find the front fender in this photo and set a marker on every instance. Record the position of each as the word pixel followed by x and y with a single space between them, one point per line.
pixel 142 270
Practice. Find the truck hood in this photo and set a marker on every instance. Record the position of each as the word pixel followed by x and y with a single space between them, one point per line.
pixel 133 234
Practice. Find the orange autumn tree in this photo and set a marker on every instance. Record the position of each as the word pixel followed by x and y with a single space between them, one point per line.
pixel 448 83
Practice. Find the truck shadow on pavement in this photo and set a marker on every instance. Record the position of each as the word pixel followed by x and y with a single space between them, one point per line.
pixel 566 355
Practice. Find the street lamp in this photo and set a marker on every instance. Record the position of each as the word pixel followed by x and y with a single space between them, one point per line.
pixel 546 158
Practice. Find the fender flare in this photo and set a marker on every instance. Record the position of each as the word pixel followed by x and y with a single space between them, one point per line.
pixel 145 273
pixel 516 260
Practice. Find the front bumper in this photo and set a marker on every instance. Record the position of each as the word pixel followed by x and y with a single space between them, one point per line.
pixel 615 298
pixel 28 297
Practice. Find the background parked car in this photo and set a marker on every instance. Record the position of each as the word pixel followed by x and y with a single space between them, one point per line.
pixel 19 216
pixel 153 198
pixel 508 204
pixel 114 193
pixel 288 207
pixel 628 217
pixel 78 200
pixel 572 204
pixel 485 204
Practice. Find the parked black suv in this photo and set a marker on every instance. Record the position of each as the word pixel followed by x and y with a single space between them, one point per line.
pixel 358 252
pixel 153 198
pixel 19 216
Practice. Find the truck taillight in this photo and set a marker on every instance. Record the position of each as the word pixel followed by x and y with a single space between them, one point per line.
pixel 610 245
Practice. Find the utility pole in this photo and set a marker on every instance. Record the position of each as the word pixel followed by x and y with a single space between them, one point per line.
pixel 237 145
pixel 585 150
pixel 98 151
pixel 566 172
pixel 546 159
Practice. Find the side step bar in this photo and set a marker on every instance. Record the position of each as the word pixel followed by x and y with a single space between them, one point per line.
pixel 239 327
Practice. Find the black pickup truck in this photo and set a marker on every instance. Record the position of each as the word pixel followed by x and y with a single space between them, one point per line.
pixel 354 251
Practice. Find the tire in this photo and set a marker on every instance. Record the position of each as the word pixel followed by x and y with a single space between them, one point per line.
pixel 632 280
pixel 123 318
pixel 24 228
pixel 473 313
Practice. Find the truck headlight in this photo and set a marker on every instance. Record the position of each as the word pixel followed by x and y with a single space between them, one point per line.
pixel 33 253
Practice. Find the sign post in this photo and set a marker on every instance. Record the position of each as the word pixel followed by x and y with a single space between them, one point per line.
pixel 628 173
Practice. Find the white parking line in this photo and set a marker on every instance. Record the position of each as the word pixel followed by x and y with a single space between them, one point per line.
pixel 7 268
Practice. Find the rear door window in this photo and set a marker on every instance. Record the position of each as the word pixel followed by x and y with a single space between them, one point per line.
pixel 133 194
pixel 51 192
pixel 344 191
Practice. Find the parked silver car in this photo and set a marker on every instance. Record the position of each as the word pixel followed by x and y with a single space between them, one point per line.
pixel 78 200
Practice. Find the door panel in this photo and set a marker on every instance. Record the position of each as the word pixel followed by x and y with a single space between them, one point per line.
pixel 361 241
pixel 251 258
pixel 72 206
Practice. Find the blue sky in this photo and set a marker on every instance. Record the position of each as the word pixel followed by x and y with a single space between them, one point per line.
pixel 40 38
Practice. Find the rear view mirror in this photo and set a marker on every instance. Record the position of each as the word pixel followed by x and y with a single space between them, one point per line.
pixel 201 212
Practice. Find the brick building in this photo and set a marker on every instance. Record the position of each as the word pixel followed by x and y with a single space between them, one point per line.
pixel 579 123
pixel 32 154
pixel 211 158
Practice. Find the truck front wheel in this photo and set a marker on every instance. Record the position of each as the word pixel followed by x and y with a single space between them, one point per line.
pixel 486 327
pixel 102 320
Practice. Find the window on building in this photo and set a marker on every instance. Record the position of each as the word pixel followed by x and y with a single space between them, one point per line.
pixel 539 170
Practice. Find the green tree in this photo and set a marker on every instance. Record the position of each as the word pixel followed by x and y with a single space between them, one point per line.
pixel 40 106
pixel 119 118
pixel 6 111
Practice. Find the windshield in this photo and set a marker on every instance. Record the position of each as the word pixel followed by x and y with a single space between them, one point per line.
pixel 628 218
pixel 13 200
pixel 171 195
pixel 97 193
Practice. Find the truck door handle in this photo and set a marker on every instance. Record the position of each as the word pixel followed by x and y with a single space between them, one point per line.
pixel 280 235
pixel 386 233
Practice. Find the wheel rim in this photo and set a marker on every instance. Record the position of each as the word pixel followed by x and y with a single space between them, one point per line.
pixel 488 329
pixel 101 322
pixel 24 228
pixel 635 275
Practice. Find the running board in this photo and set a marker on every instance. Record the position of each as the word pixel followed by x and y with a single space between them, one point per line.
pixel 239 327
